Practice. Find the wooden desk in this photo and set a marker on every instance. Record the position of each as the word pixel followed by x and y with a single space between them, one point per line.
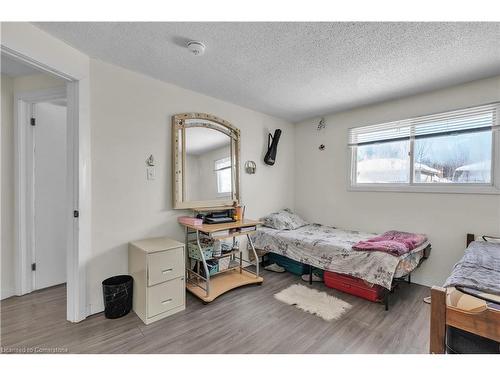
pixel 213 228
pixel 208 287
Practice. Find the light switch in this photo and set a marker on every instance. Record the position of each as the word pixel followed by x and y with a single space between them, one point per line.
pixel 150 173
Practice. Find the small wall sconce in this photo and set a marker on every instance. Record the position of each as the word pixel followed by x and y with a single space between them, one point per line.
pixel 250 167
pixel 321 124
pixel 150 162
pixel 322 147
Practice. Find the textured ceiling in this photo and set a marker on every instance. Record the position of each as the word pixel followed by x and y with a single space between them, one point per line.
pixel 296 70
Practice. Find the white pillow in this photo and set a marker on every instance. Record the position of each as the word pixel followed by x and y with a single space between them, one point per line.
pixel 284 220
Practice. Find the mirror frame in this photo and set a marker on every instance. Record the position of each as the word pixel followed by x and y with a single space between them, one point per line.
pixel 179 164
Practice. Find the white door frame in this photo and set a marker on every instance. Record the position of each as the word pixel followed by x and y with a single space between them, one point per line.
pixel 23 42
pixel 24 226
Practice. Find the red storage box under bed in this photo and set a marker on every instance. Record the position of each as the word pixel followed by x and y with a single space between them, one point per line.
pixel 354 286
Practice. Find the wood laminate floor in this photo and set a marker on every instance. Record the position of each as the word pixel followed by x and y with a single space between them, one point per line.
pixel 245 320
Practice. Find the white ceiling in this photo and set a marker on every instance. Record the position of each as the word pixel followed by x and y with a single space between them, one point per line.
pixel 296 70
pixel 13 68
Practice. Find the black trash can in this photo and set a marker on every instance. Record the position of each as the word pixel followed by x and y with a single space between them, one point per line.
pixel 117 294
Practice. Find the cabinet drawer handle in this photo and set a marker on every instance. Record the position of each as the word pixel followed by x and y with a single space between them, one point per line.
pixel 166 301
pixel 167 270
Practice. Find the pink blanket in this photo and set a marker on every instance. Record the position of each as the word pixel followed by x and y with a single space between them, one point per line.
pixel 392 242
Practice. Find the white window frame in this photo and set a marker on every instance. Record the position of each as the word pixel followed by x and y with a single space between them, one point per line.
pixel 217 170
pixel 412 187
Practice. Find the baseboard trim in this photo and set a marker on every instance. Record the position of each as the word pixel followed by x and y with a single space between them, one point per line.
pixel 7 294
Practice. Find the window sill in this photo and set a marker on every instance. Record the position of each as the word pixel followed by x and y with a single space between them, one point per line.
pixel 435 189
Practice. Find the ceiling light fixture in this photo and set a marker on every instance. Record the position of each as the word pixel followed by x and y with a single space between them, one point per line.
pixel 197 48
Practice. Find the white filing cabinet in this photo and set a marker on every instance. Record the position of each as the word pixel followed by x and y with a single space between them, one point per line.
pixel 157 266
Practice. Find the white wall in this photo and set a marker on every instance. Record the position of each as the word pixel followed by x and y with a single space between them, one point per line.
pixel 36 82
pixel 11 86
pixel 201 178
pixel 7 199
pixel 131 119
pixel 208 176
pixel 321 181
pixel 192 177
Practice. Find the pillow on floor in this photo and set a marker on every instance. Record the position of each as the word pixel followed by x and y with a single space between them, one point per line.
pixel 284 220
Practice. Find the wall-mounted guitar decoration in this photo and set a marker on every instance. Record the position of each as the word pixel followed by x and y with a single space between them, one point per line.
pixel 272 147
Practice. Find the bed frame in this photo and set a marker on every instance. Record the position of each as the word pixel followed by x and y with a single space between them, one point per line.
pixel 484 322
pixel 407 278
pixel 387 292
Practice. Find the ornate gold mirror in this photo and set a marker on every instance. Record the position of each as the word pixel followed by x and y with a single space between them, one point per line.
pixel 206 158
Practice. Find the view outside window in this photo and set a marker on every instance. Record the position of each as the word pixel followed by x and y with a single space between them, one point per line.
pixel 387 162
pixel 463 158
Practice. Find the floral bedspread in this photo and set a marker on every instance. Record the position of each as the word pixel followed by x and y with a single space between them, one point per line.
pixel 330 249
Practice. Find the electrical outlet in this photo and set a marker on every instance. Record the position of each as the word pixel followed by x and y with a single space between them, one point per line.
pixel 150 173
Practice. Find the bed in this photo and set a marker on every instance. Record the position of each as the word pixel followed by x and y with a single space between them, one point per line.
pixel 330 249
pixel 465 313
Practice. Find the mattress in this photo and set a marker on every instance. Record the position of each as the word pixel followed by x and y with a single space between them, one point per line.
pixel 478 269
pixel 330 249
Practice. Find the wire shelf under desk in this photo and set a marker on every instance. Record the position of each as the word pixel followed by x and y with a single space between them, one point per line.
pixel 208 286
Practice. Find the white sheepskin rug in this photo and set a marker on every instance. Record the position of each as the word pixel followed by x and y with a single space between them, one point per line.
pixel 313 301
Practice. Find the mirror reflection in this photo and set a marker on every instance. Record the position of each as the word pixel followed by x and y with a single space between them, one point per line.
pixel 208 164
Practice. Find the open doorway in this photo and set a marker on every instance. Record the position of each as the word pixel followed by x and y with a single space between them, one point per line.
pixel 24 43
pixel 37 176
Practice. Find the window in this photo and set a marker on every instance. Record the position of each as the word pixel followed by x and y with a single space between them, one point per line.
pixel 223 171
pixel 463 158
pixel 441 152
pixel 383 163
